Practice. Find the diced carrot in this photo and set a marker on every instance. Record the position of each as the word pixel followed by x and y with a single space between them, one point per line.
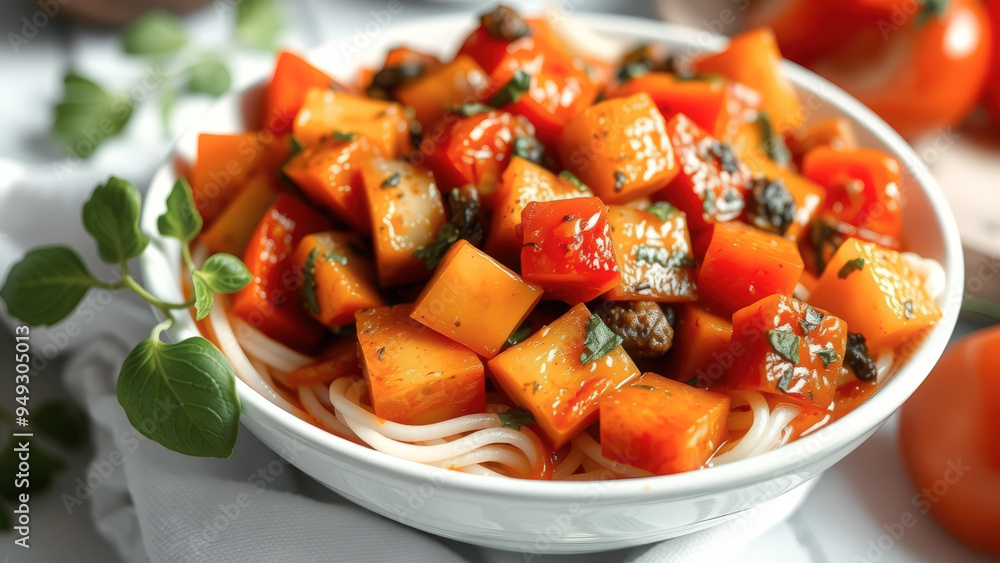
pixel 744 264
pixel 703 101
pixel 330 174
pixel 752 58
pixel 406 212
pixel 342 280
pixel 221 169
pixel 874 290
pixel 338 359
pixel 417 376
pixel 462 81
pixel 661 425
pixel 827 234
pixel 789 349
pixel 701 349
pixel 620 148
pixel 284 94
pixel 654 256
pixel 325 113
pixel 544 374
pixel 522 183
pixel 474 300
pixel 231 231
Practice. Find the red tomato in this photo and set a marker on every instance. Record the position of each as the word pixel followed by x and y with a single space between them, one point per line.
pixel 992 97
pixel 271 302
pixel 284 94
pixel 917 69
pixel 948 435
pixel 863 187
pixel 568 249
pixel 473 150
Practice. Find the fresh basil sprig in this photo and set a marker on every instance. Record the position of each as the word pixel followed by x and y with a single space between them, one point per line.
pixel 181 395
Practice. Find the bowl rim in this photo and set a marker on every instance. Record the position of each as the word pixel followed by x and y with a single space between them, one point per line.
pixel 782 461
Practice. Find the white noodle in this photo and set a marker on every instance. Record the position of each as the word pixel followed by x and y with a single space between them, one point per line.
pixel 746 444
pixel 592 450
pixel 495 454
pixel 776 423
pixel 569 464
pixel 313 404
pixel 274 353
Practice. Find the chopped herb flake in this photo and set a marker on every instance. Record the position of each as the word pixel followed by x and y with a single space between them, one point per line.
pixel 774 143
pixel 466 223
pixel 512 91
pixel 631 70
pixel 519 335
pixel 346 137
pixel 727 159
pixel 812 320
pixel 599 341
pixel 663 210
pixel 620 181
pixel 786 379
pixel 391 181
pixel 851 266
pixel 515 417
pixel 529 148
pixel 572 179
pixel 309 282
pixel 693 382
pixel 646 387
pixel 828 355
pixel 468 110
pixel 785 343
pixel 331 256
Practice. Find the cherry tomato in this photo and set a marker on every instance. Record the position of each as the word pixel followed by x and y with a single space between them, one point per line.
pixel 568 248
pixel 992 96
pixel 948 434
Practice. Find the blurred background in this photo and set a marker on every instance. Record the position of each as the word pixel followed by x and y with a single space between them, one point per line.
pixel 929 67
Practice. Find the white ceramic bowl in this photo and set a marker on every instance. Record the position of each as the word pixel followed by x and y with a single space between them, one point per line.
pixel 567 517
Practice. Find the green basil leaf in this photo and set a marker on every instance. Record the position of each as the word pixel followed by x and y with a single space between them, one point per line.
pixel 786 379
pixel 812 319
pixel 513 90
pixel 515 417
pixel 111 216
pixel 259 23
pixel 774 142
pixel 784 343
pixel 519 335
pixel 850 267
pixel 181 220
pixel 209 76
pixel 46 285
pixel 155 32
pixel 225 273
pixel 529 148
pixel 599 341
pixel 182 396
pixel 433 253
pixel 44 467
pixel 204 298
pixel 663 210
pixel 572 179
pixel 309 282
pixel 391 181
pixel 828 355
pixel 344 137
pixel 61 421
pixel 87 115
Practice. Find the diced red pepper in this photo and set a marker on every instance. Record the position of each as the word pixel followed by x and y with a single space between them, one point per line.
pixel 701 100
pixel 568 249
pixel 271 302
pixel 284 94
pixel 789 349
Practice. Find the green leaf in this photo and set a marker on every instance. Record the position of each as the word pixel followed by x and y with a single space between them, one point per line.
pixel 43 470
pixel 46 285
pixel 663 257
pixel 258 23
pixel 204 298
pixel 663 210
pixel 331 256
pixel 572 179
pixel 599 341
pixel 225 273
pixel 468 110
pixel 391 181
pixel 850 267
pixel 181 220
pixel 786 379
pixel 309 282
pixel 515 417
pixel 774 142
pixel 344 137
pixel 182 396
pixel 529 148
pixel 208 76
pixel 519 335
pixel 930 10
pixel 828 355
pixel 513 90
pixel 112 218
pixel 433 253
pixel 62 421
pixel 87 115
pixel 154 33
pixel 785 343
pixel 812 319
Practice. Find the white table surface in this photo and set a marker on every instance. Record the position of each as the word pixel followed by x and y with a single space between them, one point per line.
pixel 841 521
